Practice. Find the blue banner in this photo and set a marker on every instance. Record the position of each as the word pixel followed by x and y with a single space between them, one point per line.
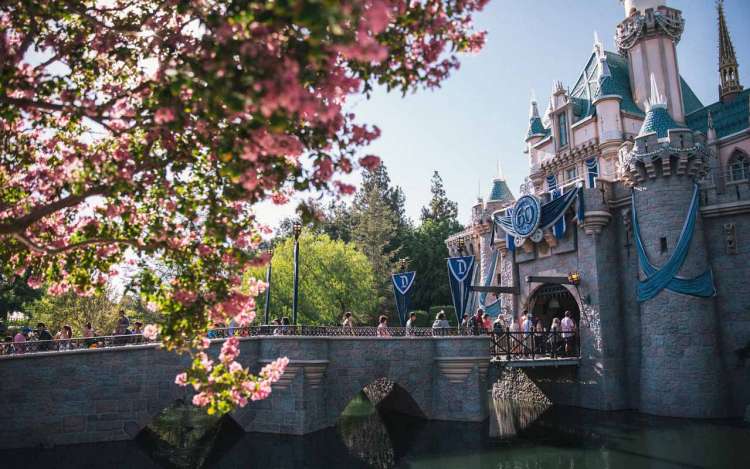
pixel 402 283
pixel 460 273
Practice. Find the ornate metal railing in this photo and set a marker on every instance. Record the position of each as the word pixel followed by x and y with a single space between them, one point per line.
pixel 533 345
pixel 75 343
pixel 503 345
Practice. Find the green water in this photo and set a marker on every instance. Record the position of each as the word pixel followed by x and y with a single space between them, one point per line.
pixel 519 438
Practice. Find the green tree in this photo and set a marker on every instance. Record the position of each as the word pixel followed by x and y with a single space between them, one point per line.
pixel 373 232
pixel 427 251
pixel 334 278
pixel 76 311
pixel 14 294
pixel 440 207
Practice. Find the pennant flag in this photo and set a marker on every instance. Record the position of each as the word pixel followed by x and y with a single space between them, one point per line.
pixel 402 283
pixel 460 273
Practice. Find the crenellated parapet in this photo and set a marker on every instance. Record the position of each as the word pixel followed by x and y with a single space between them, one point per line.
pixel 649 23
pixel 682 153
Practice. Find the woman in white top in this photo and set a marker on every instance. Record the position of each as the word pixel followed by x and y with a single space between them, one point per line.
pixel 348 324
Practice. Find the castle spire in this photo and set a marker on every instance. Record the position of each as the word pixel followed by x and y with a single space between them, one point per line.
pixel 657 100
pixel 728 73
pixel 536 128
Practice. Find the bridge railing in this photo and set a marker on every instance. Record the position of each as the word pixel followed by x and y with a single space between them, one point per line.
pixel 75 343
pixel 339 331
pixel 534 345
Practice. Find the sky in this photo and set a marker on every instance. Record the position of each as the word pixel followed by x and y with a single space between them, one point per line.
pixel 480 114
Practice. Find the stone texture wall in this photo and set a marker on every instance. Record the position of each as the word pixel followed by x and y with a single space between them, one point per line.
pixel 111 394
pixel 731 273
pixel 682 373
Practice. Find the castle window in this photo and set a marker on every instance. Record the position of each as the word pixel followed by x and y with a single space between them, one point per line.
pixel 562 123
pixel 739 167
pixel 571 174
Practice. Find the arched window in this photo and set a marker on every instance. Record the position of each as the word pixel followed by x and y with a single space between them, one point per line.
pixel 739 166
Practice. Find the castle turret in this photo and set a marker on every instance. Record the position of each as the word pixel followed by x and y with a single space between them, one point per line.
pixel 648 36
pixel 728 67
pixel 680 366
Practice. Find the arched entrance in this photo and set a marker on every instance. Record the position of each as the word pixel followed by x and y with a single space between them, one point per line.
pixel 550 301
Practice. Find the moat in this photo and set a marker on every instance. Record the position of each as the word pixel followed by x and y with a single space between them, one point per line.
pixel 367 438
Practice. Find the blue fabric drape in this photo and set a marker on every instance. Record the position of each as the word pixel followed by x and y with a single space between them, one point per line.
pixel 551 182
pixel 666 277
pixel 592 167
pixel 552 213
pixel 558 229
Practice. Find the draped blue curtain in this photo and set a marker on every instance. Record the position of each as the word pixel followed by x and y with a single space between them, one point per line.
pixel 592 167
pixel 551 182
pixel 666 277
pixel 558 229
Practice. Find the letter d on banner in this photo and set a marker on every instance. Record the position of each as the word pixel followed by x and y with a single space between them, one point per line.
pixel 402 283
pixel 460 273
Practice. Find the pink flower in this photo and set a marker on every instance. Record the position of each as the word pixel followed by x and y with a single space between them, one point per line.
pixel 205 343
pixel 150 331
pixel 204 360
pixel 185 297
pixel 181 379
pixel 164 115
pixel 370 162
pixel 234 367
pixel 230 350
pixel 238 398
pixel 273 371
pixel 202 399
pixel 34 282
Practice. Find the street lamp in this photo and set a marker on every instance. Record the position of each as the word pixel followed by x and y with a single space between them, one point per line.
pixel 574 278
pixel 402 263
pixel 461 245
pixel 297 230
pixel 266 310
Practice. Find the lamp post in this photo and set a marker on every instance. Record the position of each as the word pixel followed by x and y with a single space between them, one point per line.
pixel 402 263
pixel 461 245
pixel 268 287
pixel 297 229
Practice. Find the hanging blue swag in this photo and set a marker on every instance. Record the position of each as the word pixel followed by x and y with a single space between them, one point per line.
pixel 666 277
pixel 552 215
pixel 551 182
pixel 592 167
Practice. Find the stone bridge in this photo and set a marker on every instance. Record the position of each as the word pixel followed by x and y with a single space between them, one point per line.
pixel 80 396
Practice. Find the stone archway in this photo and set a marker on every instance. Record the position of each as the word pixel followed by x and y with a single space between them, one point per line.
pixel 548 301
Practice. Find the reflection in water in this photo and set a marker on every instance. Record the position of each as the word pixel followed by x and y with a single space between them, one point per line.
pixel 511 416
pixel 559 438
pixel 182 435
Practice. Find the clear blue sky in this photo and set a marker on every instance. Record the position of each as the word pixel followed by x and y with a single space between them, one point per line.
pixel 480 114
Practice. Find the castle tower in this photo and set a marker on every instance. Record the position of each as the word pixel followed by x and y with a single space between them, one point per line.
pixel 730 78
pixel 648 36
pixel 680 367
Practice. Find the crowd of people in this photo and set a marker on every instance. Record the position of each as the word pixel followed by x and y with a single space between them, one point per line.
pixel 41 339
pixel 527 335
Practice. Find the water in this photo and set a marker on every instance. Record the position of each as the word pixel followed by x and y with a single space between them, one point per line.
pixel 523 437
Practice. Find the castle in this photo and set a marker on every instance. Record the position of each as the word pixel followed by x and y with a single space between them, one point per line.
pixel 645 192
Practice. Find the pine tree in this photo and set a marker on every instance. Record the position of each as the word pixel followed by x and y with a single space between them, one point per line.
pixel 440 208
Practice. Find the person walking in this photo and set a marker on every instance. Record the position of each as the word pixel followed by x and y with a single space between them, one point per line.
pixel 383 327
pixel 514 336
pixel 568 326
pixel 486 323
pixel 554 336
pixel 19 340
pixel 43 335
pixel 465 322
pixel 440 325
pixel 348 323
pixel 476 322
pixel 528 328
pixel 123 323
pixel 411 324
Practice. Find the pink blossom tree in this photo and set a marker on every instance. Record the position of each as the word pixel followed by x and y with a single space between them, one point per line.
pixel 142 130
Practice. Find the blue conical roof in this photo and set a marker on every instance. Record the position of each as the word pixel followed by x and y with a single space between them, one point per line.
pixel 500 191
pixel 658 121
